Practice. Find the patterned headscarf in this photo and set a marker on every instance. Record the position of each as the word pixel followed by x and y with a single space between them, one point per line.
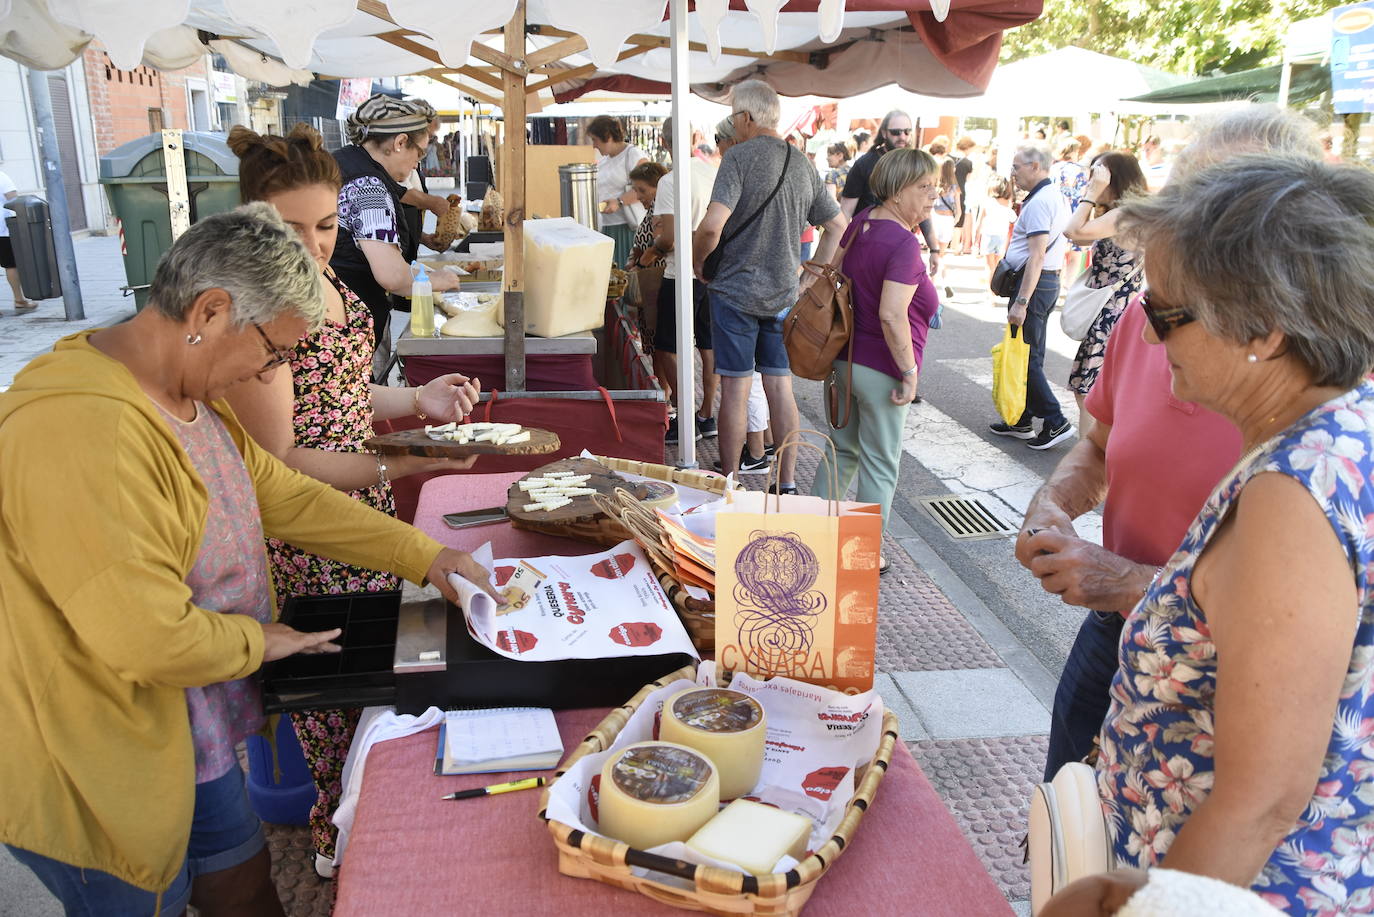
pixel 384 114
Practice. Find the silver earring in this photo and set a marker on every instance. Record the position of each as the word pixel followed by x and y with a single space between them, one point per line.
pixel 1251 358
pixel 193 340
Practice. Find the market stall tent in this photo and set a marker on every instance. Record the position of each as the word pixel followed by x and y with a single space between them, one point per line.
pixel 504 51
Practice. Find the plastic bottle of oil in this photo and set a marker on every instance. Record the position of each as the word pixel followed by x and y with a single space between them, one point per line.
pixel 421 305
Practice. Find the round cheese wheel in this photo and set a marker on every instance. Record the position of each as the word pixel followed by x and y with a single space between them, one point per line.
pixel 659 494
pixel 726 726
pixel 656 792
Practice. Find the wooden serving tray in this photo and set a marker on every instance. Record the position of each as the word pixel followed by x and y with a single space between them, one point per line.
pixel 415 442
pixel 581 509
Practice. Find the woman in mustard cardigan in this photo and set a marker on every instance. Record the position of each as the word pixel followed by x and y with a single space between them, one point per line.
pixel 135 600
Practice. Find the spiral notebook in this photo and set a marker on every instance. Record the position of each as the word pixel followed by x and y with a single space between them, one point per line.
pixel 499 739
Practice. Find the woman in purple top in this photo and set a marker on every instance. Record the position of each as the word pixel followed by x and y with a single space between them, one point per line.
pixel 893 299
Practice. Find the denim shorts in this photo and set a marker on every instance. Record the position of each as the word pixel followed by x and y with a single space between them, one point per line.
pixel 745 343
pixel 224 834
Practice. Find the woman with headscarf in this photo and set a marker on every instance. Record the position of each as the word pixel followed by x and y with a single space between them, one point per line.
pixel 387 137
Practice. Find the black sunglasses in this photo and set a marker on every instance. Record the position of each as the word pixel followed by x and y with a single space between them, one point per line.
pixel 1164 319
pixel 899 130
pixel 279 356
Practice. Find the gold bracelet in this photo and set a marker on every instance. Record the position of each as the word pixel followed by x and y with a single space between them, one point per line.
pixel 382 479
pixel 415 404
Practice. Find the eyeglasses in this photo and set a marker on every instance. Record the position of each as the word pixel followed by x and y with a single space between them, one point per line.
pixel 1164 319
pixel 278 355
pixel 742 112
pixel 899 130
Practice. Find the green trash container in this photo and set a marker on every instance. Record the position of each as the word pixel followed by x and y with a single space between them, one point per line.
pixel 135 179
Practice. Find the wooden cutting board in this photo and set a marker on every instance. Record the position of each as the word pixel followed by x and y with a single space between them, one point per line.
pixel 581 509
pixel 415 442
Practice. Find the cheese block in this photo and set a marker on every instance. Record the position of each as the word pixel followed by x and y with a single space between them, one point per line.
pixel 726 726
pixel 656 792
pixel 658 495
pixel 753 836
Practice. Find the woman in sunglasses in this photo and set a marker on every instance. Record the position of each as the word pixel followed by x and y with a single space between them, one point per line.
pixel 137 602
pixel 1238 742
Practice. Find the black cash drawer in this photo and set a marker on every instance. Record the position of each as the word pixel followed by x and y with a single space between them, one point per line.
pixel 360 676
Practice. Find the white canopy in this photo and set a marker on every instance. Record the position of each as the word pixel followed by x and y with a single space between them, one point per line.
pixel 830 47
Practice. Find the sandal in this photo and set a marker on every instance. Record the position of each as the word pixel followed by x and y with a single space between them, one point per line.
pixel 25 306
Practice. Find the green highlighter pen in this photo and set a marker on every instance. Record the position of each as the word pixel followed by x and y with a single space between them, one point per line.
pixel 496 789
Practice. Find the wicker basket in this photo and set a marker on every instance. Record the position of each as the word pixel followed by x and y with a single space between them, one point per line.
pixel 714 890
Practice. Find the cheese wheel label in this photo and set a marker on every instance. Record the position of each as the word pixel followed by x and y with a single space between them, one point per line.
pixel 661 774
pixel 717 710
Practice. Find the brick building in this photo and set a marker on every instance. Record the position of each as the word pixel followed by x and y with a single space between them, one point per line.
pixel 128 104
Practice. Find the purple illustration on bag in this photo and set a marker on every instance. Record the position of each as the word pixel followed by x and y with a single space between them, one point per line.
pixel 777 606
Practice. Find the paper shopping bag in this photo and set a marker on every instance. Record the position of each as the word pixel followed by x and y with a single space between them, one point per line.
pixel 797 589
pixel 1010 362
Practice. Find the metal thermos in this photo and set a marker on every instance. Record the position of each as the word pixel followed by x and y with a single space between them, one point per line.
pixel 577 193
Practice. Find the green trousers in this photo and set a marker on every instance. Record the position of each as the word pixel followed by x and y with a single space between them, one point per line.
pixel 870 445
pixel 624 237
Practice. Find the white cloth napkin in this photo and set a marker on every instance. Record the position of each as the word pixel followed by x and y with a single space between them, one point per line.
pixel 377 724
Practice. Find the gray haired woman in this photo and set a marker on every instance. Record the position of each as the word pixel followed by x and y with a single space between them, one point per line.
pixel 137 601
pixel 1237 744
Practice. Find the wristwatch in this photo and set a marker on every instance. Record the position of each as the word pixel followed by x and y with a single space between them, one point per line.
pixel 1021 301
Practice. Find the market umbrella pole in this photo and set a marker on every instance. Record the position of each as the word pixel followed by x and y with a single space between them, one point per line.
pixel 681 178
pixel 513 181
pixel 57 196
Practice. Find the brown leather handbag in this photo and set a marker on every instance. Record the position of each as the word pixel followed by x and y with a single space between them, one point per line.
pixel 819 326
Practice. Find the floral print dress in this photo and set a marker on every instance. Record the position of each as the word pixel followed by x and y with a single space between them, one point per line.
pixel 331 370
pixel 1111 264
pixel 1157 741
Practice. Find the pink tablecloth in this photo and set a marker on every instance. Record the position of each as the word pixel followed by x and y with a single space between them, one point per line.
pixel 413 854
pixel 416 855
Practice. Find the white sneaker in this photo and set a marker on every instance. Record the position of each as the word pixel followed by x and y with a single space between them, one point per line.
pixel 324 866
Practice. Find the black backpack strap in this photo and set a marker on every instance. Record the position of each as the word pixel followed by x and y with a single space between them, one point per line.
pixel 787 160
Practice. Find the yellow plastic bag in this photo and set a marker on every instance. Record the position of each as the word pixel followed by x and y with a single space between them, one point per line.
pixel 1010 362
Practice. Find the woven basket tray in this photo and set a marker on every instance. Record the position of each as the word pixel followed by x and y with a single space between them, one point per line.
pixel 714 890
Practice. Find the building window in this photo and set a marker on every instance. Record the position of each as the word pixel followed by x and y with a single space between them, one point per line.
pixel 156 120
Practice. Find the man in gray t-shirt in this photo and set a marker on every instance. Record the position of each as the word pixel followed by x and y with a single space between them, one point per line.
pixel 756 279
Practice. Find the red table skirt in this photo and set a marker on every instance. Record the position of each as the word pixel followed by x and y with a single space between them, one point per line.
pixel 543 372
pixel 411 853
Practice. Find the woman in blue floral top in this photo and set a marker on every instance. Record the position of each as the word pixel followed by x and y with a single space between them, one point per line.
pixel 1240 740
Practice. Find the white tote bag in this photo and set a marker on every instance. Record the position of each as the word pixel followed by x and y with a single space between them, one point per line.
pixel 1068 836
pixel 1083 304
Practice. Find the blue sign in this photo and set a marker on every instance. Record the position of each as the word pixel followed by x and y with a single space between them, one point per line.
pixel 1352 57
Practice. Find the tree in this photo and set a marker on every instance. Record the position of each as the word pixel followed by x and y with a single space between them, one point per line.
pixel 1182 36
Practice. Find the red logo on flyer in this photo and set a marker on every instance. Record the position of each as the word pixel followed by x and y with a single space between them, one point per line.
pixel 516 641
pixel 636 633
pixel 614 567
pixel 821 783
pixel 503 575
pixel 594 797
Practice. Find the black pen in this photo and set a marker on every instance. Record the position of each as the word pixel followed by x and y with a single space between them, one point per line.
pixel 496 789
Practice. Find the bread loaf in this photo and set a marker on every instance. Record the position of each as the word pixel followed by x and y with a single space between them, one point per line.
pixel 450 226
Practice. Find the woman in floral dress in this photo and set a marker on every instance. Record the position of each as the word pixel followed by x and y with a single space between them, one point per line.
pixel 317 416
pixel 1238 743
pixel 1115 176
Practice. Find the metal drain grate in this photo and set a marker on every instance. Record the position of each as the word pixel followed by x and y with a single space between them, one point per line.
pixel 964 518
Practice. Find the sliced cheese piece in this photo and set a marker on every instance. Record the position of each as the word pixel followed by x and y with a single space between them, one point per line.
pixel 518 438
pixel 728 727
pixel 655 792
pixel 579 491
pixel 753 836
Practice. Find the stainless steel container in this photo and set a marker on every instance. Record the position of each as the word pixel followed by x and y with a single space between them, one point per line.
pixel 577 193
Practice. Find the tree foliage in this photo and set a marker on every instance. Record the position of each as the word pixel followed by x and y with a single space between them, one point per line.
pixel 1182 36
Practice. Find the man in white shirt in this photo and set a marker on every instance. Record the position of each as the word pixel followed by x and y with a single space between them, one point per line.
pixel 703 177
pixel 1037 248
pixel 10 192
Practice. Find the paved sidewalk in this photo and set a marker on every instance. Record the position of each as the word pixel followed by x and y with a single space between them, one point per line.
pixel 972 702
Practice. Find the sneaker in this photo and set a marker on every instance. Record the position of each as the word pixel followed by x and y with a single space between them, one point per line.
pixel 324 866
pixel 783 489
pixel 748 464
pixel 769 449
pixel 1006 429
pixel 706 428
pixel 670 438
pixel 1052 437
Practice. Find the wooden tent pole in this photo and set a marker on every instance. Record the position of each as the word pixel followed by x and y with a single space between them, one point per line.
pixel 513 194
